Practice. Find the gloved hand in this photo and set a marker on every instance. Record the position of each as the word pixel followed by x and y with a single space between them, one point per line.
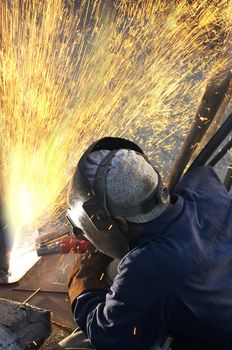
pixel 88 273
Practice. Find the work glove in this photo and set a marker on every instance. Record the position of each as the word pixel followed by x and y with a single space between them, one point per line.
pixel 88 272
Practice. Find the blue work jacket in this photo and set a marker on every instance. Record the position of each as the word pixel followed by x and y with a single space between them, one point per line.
pixel 176 279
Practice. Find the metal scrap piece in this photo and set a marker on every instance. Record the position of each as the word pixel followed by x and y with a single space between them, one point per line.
pixel 22 325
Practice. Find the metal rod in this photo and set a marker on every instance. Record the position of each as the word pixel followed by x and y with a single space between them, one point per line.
pixel 221 153
pixel 31 296
pixel 215 124
pixel 213 144
pixel 228 178
pixel 18 289
pixel 213 98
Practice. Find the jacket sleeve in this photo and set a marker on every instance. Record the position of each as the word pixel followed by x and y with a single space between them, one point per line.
pixel 130 316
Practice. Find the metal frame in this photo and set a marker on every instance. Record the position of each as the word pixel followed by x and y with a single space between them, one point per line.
pixel 216 95
pixel 213 144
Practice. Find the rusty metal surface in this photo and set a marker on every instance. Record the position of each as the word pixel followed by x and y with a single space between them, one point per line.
pixel 50 275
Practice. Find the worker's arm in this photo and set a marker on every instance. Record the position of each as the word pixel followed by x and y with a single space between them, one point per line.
pixel 88 274
pixel 130 316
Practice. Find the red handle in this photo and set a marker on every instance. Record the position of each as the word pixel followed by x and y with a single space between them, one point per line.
pixel 71 244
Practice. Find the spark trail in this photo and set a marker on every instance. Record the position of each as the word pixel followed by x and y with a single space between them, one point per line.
pixel 71 75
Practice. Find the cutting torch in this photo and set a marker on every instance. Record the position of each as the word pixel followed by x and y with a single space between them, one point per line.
pixel 66 244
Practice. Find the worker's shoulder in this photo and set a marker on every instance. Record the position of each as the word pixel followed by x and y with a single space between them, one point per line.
pixel 143 262
pixel 203 177
pixel 200 173
pixel 133 257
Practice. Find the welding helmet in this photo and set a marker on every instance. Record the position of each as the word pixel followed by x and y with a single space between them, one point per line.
pixel 88 208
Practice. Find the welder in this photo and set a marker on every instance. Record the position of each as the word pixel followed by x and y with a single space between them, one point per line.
pixel 175 272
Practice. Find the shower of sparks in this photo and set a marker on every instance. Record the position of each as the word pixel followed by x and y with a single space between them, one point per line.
pixel 71 74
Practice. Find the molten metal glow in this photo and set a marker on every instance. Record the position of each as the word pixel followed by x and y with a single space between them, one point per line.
pixel 69 76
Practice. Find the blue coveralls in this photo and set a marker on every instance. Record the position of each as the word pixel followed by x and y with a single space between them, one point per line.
pixel 177 278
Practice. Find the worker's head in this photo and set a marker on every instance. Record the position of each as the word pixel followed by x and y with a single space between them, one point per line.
pixel 114 191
